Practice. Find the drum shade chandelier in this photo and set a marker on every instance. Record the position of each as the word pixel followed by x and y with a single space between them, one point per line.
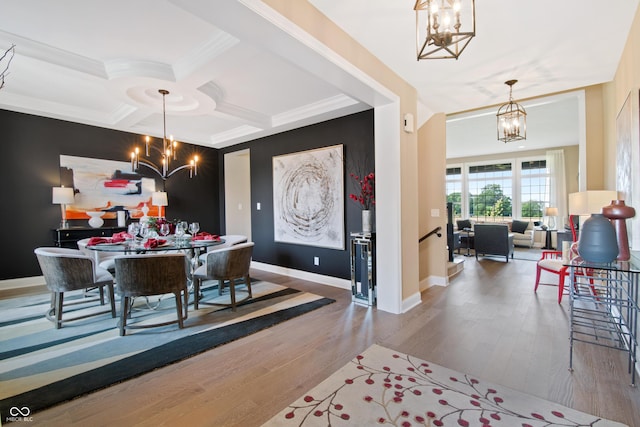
pixel 512 119
pixel 168 153
pixel 444 28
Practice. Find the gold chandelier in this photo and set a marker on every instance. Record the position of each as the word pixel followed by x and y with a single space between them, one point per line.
pixel 512 119
pixel 444 28
pixel 168 153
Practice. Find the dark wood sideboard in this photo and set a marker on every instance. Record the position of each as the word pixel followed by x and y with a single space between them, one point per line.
pixel 67 237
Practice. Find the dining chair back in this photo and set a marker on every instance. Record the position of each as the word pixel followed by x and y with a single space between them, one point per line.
pixel 66 270
pixel 148 275
pixel 228 265
pixel 229 240
pixel 104 259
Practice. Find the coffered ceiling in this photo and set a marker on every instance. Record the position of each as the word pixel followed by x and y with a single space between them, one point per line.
pixel 235 72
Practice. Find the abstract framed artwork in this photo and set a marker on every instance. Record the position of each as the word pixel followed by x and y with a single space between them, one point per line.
pixel 308 197
pixel 628 162
pixel 107 186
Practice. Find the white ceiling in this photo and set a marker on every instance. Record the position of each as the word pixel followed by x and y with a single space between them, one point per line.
pixel 236 76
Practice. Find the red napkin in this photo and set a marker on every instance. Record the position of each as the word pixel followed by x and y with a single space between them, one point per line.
pixel 97 240
pixel 154 243
pixel 205 236
pixel 121 237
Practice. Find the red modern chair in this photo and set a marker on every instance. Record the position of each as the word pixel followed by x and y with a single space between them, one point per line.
pixel 551 261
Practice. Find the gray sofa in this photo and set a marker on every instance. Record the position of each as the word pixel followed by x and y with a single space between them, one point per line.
pixel 493 239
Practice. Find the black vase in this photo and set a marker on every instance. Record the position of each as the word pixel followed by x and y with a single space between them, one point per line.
pixel 597 242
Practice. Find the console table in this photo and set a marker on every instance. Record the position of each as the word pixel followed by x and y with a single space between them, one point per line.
pixel 68 237
pixel 604 307
pixel 363 268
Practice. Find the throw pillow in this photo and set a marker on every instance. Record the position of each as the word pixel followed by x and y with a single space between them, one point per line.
pixel 463 223
pixel 519 226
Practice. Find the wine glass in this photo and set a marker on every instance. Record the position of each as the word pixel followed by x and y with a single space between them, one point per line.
pixel 193 228
pixel 185 227
pixel 144 231
pixel 165 229
pixel 179 230
pixel 134 229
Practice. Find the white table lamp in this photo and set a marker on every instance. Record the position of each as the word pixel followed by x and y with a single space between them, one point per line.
pixel 551 213
pixel 160 199
pixel 63 196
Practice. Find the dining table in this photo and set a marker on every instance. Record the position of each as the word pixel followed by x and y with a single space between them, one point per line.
pixel 191 247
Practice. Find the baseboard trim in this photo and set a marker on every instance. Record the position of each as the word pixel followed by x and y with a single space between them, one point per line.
pixel 411 302
pixel 304 275
pixel 430 281
pixel 22 282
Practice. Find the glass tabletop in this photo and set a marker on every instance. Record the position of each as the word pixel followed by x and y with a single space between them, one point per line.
pixel 170 244
pixel 616 265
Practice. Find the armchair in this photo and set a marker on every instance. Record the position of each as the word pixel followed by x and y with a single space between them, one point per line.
pixel 67 270
pixel 493 239
pixel 230 265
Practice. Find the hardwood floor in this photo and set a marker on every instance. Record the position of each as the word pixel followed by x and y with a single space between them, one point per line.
pixel 488 322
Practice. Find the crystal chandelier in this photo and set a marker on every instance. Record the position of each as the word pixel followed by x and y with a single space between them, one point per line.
pixel 444 28
pixel 512 119
pixel 168 153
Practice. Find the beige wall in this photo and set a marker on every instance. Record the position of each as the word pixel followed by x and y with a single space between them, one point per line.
pixel 571 168
pixel 396 186
pixel 626 81
pixel 431 182
pixel 595 143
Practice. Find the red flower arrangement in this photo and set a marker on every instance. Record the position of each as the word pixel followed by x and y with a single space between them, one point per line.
pixel 367 196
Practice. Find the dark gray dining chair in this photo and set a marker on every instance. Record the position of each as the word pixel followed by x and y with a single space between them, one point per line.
pixel 228 265
pixel 148 275
pixel 66 270
pixel 229 240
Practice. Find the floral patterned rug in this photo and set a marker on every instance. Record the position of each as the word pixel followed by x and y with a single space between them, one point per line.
pixel 385 387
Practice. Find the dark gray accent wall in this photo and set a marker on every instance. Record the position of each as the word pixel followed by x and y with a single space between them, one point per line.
pixel 356 133
pixel 30 167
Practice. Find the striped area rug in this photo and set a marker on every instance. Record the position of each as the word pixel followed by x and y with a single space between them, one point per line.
pixel 41 366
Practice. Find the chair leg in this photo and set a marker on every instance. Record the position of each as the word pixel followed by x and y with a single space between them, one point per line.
pixel 538 270
pixel 561 286
pixel 101 289
pixel 220 286
pixel 248 282
pixel 186 302
pixel 196 292
pixel 58 309
pixel 232 290
pixel 178 296
pixel 112 300
pixel 124 307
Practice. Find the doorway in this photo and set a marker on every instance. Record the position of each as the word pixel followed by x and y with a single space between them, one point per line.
pixel 237 193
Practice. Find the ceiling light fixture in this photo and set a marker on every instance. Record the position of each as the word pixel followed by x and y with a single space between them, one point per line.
pixel 438 27
pixel 512 119
pixel 168 153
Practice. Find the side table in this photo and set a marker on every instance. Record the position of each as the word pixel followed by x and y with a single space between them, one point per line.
pixel 363 268
pixel 68 237
pixel 466 240
pixel 604 307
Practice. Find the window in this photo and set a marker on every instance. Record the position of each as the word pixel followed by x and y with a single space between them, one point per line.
pixel 500 190
pixel 490 192
pixel 454 190
pixel 534 188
